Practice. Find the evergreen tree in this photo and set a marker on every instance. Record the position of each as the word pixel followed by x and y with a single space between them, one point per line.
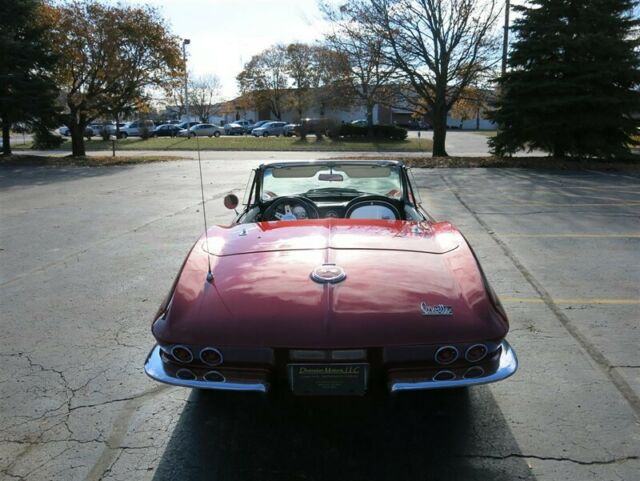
pixel 26 91
pixel 572 88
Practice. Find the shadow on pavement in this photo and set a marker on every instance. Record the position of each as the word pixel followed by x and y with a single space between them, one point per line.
pixel 426 436
pixel 12 175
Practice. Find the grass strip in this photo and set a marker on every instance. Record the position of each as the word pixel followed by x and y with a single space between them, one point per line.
pixel 248 143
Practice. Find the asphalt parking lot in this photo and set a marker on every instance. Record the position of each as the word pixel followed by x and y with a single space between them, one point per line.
pixel 87 254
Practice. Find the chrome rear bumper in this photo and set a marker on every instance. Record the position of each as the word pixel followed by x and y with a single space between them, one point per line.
pixel 160 371
pixel 506 365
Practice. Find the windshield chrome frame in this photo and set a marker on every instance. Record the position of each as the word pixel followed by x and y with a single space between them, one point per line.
pixel 330 164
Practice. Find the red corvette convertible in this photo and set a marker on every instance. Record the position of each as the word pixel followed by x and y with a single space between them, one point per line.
pixel 332 280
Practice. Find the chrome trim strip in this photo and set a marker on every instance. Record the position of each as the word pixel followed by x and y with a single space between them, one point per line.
pixel 508 364
pixel 154 368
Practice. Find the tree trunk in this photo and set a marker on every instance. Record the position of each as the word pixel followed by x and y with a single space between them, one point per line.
pixel 117 119
pixel 369 119
pixel 439 132
pixel 6 136
pixel 76 129
pixel 559 152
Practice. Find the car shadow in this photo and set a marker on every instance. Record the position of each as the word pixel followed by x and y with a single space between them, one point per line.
pixel 439 435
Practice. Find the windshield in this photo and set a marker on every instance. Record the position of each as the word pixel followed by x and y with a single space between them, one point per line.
pixel 335 181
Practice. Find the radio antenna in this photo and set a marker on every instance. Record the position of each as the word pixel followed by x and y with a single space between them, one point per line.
pixel 204 214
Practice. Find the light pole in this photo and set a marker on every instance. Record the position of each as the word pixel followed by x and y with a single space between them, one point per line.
pixel 186 42
pixel 505 41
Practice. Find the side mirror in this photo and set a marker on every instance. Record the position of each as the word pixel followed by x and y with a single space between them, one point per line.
pixel 231 201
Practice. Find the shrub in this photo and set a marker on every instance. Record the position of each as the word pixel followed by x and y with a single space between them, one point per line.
pixel 380 132
pixel 145 132
pixel 104 132
pixel 320 127
pixel 44 139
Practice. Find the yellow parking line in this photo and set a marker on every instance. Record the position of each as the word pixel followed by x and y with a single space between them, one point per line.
pixel 571 204
pixel 630 235
pixel 537 300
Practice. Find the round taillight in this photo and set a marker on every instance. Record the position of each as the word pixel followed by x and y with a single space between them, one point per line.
pixel 473 372
pixel 446 355
pixel 211 356
pixel 444 376
pixel 185 374
pixel 476 353
pixel 182 354
pixel 214 376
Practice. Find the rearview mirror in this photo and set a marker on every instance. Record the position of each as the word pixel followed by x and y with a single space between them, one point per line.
pixel 231 201
pixel 331 177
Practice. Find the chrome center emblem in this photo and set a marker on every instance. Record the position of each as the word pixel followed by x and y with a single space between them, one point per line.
pixel 437 310
pixel 328 273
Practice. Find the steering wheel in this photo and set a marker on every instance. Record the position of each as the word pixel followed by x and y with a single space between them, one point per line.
pixel 291 208
pixel 371 200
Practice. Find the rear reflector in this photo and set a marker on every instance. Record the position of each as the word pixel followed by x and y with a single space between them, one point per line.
pixel 444 376
pixel 476 353
pixel 446 355
pixel 186 374
pixel 182 354
pixel 211 356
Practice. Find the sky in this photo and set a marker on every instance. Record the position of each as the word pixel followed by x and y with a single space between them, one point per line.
pixel 225 34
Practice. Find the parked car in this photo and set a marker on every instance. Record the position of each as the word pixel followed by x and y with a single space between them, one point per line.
pixel 187 125
pixel 331 280
pixel 234 129
pixel 244 124
pixel 202 130
pixel 259 123
pixel 360 123
pixel 166 130
pixel 108 128
pixel 88 131
pixel 270 128
pixel 290 130
pixel 137 128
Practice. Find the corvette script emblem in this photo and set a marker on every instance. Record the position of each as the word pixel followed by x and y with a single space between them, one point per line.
pixel 328 273
pixel 437 310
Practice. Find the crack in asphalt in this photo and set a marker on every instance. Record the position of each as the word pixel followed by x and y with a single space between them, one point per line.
pixel 550 458
pixel 112 443
pixel 616 379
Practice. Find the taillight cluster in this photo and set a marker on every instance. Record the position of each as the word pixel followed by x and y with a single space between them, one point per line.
pixel 449 354
pixel 188 375
pixel 207 355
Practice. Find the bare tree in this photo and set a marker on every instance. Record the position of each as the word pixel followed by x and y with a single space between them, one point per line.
pixel 363 51
pixel 439 46
pixel 204 93
pixel 265 78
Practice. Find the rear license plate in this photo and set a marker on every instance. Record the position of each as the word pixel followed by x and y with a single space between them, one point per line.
pixel 328 379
